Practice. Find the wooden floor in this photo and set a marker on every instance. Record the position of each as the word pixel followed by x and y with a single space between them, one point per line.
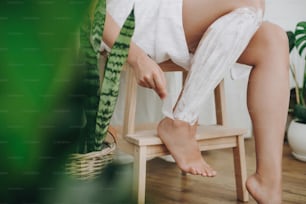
pixel 165 185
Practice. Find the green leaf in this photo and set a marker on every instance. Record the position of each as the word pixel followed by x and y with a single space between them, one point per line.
pixel 300 37
pixel 291 39
pixel 300 113
pixel 110 85
pixel 90 74
pixel 98 25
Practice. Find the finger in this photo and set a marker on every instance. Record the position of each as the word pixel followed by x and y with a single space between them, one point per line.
pixel 144 84
pixel 151 83
pixel 160 86
pixel 163 77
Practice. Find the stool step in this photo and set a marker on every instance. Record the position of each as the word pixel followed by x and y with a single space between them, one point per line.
pixel 144 136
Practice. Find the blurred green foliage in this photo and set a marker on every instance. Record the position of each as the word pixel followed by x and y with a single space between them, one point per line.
pixel 40 105
pixel 38 92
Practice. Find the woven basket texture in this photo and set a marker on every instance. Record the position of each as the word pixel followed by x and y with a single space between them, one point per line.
pixel 89 165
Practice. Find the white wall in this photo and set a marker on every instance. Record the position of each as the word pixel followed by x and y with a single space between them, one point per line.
pixel 285 13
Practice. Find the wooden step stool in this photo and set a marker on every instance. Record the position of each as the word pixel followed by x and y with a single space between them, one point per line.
pixel 143 143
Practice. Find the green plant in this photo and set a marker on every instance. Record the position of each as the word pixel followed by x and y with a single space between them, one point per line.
pixel 99 102
pixel 297 39
pixel 39 103
pixel 37 75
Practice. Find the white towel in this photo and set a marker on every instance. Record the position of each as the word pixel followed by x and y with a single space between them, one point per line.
pixel 158 28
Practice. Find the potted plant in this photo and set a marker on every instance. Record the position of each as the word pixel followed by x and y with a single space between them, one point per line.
pixel 99 91
pixel 297 127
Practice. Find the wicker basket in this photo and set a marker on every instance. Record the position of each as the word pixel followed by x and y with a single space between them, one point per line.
pixel 90 165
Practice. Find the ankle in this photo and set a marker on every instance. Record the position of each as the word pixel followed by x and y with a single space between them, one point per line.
pixel 273 178
pixel 271 182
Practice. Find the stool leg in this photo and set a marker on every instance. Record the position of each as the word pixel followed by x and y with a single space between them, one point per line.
pixel 140 163
pixel 240 170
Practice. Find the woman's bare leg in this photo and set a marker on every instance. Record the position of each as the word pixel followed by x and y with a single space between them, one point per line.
pixel 178 133
pixel 268 53
pixel 268 97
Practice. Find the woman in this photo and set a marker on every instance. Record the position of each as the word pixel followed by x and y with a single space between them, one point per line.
pixel 218 33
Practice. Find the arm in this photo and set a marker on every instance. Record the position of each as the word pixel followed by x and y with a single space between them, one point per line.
pixel 148 74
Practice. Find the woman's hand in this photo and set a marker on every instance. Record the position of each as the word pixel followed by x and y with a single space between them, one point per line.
pixel 148 74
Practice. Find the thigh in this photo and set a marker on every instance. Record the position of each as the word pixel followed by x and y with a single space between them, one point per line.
pixel 199 14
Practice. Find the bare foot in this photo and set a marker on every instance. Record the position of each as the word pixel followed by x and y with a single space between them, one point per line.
pixel 179 137
pixel 264 191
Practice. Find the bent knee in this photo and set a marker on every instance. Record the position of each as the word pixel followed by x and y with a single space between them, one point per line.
pixel 269 43
pixel 273 38
pixel 275 48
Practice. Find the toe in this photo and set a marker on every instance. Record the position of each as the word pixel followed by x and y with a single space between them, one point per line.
pixel 193 171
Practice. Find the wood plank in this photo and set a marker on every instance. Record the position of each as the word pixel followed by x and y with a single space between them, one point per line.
pixel 130 104
pixel 149 137
pixel 218 143
pixel 166 185
pixel 139 173
pixel 220 105
pixel 240 170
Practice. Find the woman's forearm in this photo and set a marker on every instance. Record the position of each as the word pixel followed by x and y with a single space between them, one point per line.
pixel 111 31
